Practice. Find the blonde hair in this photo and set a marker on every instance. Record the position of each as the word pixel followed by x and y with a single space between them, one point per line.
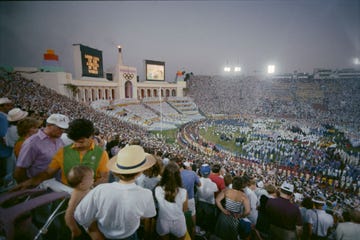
pixel 76 174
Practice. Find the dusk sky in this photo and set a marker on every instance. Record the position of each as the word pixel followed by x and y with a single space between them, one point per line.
pixel 195 36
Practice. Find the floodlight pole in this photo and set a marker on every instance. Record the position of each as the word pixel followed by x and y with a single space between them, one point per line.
pixel 161 120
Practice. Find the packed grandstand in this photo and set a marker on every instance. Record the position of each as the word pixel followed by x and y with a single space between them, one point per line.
pixel 301 130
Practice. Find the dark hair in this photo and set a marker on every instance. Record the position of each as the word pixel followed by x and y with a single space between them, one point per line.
pixel 171 181
pixel 307 203
pixel 125 177
pixel 155 170
pixel 80 128
pixel 238 183
pixel 76 174
pixel 228 179
pixel 216 168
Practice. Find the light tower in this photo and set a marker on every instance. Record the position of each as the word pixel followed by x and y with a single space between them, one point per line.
pixel 120 58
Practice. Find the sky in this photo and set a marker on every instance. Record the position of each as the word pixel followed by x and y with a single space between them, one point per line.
pixel 193 36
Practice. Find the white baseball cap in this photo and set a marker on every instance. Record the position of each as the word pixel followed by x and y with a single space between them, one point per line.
pixel 59 120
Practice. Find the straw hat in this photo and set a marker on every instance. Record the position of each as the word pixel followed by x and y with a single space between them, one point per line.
pixel 130 159
pixel 16 114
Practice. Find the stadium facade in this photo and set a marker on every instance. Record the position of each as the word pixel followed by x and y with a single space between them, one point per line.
pixel 90 82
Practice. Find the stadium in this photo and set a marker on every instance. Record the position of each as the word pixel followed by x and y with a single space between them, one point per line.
pixel 298 127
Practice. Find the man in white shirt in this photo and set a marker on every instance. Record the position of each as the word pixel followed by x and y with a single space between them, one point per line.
pixel 206 199
pixel 319 221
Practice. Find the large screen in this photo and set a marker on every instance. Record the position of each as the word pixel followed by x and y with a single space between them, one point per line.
pixel 155 70
pixel 92 62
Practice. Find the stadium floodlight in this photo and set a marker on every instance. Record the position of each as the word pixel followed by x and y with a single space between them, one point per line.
pixel 227 69
pixel 271 69
pixel 237 69
pixel 356 61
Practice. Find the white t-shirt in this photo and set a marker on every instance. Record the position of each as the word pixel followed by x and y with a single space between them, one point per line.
pixel 116 207
pixel 170 210
pixel 206 191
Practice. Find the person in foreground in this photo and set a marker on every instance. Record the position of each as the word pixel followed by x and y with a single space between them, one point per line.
pixel 81 178
pixel 83 151
pixel 173 202
pixel 117 207
pixel 286 221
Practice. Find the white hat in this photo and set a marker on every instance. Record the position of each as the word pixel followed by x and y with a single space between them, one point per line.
pixel 131 159
pixel 186 164
pixel 5 100
pixel 287 187
pixel 59 120
pixel 319 199
pixel 16 114
pixel 260 184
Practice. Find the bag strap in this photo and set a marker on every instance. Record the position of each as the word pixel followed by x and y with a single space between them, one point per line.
pixel 317 223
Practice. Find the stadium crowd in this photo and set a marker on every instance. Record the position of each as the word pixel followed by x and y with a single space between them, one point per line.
pixel 330 179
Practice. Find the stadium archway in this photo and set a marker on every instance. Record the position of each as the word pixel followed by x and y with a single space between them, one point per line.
pixel 128 90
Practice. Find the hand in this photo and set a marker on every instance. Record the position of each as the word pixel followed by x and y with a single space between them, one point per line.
pixel 24 185
pixel 226 212
pixel 236 215
pixel 75 233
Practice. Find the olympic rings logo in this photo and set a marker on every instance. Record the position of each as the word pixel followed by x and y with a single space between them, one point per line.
pixel 128 76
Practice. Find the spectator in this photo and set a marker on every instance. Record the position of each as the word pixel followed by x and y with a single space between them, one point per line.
pixel 206 209
pixel 189 180
pixel 216 178
pixel 349 230
pixel 26 128
pixel 236 206
pixel 319 221
pixel 81 178
pixel 286 220
pixel 249 190
pixel 38 150
pixel 263 221
pixel 14 116
pixel 6 156
pixel 82 151
pixel 306 206
pixel 173 203
pixel 118 206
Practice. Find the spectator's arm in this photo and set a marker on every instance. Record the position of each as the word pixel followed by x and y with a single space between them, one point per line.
pixel 246 203
pixel 20 174
pixel 33 182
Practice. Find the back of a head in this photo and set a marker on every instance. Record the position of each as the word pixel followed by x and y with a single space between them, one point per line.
pixel 216 168
pixel 319 201
pixel 24 125
pixel 228 179
pixel 135 141
pixel 205 170
pixel 271 189
pixel 76 175
pixel 287 188
pixel 307 203
pixel 355 215
pixel 80 128
pixel 238 183
pixel 171 181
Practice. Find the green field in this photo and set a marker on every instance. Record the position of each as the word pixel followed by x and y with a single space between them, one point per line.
pixel 210 136
pixel 168 135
